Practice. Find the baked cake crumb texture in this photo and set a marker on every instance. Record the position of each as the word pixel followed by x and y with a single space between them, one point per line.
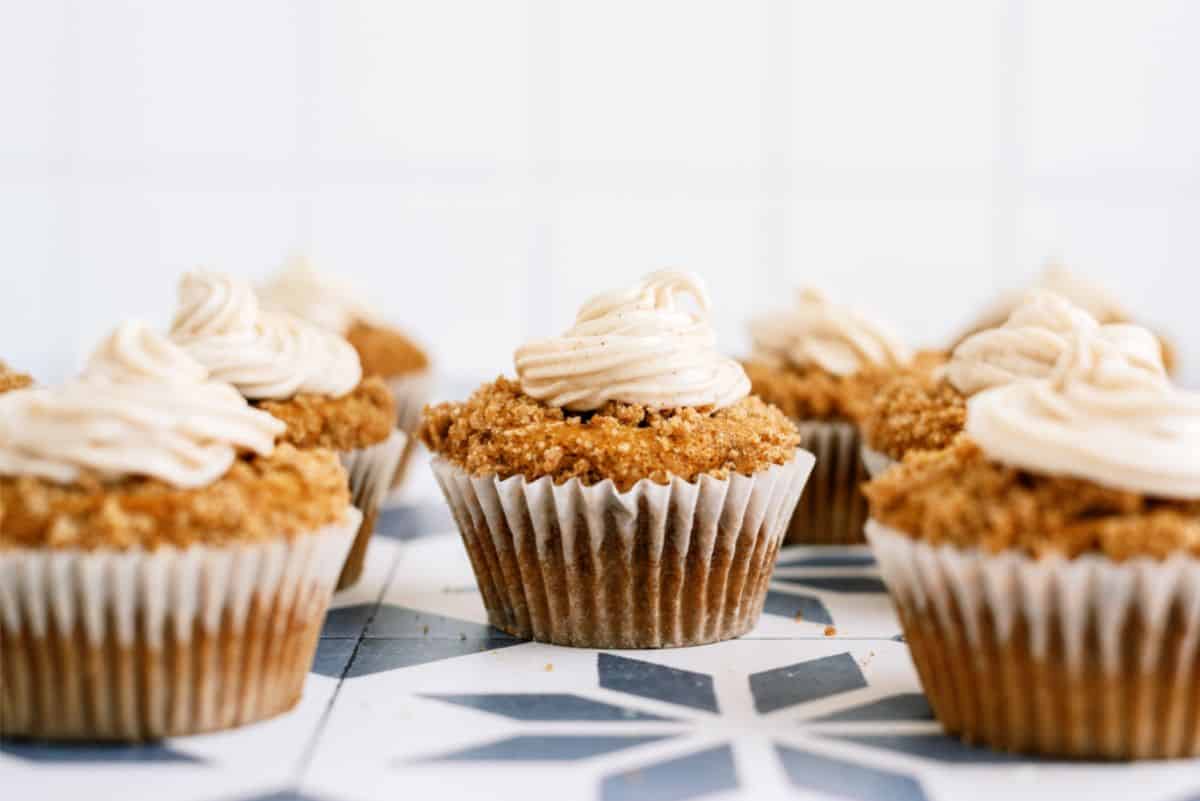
pixel 958 497
pixel 359 419
pixel 288 493
pixel 501 431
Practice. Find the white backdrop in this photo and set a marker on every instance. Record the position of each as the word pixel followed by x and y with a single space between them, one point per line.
pixel 479 167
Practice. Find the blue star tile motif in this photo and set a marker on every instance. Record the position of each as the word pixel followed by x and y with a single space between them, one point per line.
pixel 691 776
pixel 400 621
pixel 710 770
pixel 827 560
pixel 905 706
pixel 848 780
pixel 411 522
pixel 347 621
pixel 938 747
pixel 546 706
pixel 379 655
pixel 93 753
pixel 333 656
pixel 805 681
pixel 800 607
pixel 661 683
pixel 850 584
pixel 539 748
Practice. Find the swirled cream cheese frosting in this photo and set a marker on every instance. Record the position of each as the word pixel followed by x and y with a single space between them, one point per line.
pixel 142 408
pixel 1033 340
pixel 320 299
pixel 635 345
pixel 816 333
pixel 1097 417
pixel 1088 295
pixel 266 355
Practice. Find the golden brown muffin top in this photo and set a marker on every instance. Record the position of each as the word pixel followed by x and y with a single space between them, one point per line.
pixel 384 351
pixel 501 431
pixel 958 497
pixel 289 493
pixel 812 393
pixel 914 410
pixel 359 419
pixel 10 379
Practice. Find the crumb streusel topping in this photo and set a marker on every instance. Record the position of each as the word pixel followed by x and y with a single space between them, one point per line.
pixel 364 417
pixel 914 410
pixel 290 492
pixel 384 351
pixel 10 379
pixel 502 431
pixel 959 497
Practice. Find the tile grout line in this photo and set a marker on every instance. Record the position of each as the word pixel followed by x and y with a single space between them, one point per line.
pixel 310 750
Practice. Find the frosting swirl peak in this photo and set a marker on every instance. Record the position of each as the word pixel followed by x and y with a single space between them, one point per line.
pixel 321 300
pixel 635 345
pixel 817 333
pixel 143 408
pixel 1032 341
pixel 266 355
pixel 1098 417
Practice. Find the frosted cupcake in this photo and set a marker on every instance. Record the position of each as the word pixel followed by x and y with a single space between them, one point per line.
pixel 383 350
pixel 164 567
pixel 925 409
pixel 625 491
pixel 1046 568
pixel 820 364
pixel 305 376
pixel 1095 299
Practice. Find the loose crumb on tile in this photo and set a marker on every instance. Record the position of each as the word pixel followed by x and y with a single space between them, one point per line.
pixel 830 631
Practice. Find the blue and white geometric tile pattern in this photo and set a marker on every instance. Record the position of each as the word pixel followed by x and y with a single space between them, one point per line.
pixel 414 695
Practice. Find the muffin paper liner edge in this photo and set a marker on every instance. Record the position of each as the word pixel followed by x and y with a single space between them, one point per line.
pixel 1083 657
pixel 370 471
pixel 832 509
pixel 656 566
pixel 411 392
pixel 133 645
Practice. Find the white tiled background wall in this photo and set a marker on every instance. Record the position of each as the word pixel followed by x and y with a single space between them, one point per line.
pixel 481 165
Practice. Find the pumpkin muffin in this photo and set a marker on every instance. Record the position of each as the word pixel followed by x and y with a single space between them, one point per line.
pixel 625 491
pixel 383 349
pixel 924 408
pixel 139 504
pixel 821 364
pixel 1044 567
pixel 303 375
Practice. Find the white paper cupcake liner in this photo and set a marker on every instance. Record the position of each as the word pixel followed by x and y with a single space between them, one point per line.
pixel 659 565
pixel 411 392
pixel 136 644
pixel 1083 657
pixel 370 471
pixel 832 509
pixel 875 461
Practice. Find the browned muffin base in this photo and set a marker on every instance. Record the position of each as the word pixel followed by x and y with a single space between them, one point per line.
pixel 10 380
pixel 914 411
pixel 385 351
pixel 358 419
pixel 998 693
pixel 290 492
pixel 958 497
pixel 63 686
pixel 501 431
